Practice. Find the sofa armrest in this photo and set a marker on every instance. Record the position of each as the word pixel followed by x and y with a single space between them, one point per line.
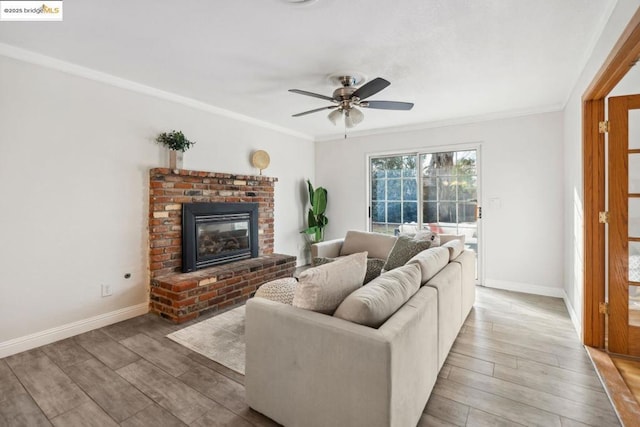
pixel 328 249
pixel 467 260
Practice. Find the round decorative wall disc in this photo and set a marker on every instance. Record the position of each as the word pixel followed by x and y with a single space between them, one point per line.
pixel 260 159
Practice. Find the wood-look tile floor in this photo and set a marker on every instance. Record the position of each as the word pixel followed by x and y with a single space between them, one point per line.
pixel 517 361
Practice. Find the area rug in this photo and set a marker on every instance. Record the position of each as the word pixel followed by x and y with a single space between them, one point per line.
pixel 220 338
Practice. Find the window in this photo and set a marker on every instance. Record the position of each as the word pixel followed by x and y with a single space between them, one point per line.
pixel 394 192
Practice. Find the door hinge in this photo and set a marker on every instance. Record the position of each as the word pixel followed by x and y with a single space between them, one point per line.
pixel 603 126
pixel 603 308
pixel 603 217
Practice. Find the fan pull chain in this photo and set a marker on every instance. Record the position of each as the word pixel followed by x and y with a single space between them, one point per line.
pixel 345 127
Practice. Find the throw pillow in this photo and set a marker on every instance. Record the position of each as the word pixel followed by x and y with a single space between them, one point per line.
pixel 374 266
pixel 372 304
pixel 404 249
pixel 455 247
pixel 374 269
pixel 428 235
pixel 322 260
pixel 323 288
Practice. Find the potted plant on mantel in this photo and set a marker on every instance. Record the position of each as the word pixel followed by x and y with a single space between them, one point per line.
pixel 176 142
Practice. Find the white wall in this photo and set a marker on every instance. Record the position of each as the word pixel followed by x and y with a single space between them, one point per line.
pixel 74 161
pixel 521 165
pixel 573 185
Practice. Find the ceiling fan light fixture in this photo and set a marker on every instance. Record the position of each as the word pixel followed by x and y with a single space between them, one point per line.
pixel 334 116
pixel 356 116
pixel 348 120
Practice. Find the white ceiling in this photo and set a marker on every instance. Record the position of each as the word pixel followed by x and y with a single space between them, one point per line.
pixel 455 59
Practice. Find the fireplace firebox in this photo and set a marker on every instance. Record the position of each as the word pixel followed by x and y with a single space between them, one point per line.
pixel 218 233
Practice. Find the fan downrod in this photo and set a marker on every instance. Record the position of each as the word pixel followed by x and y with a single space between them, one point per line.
pixel 347 80
pixel 348 87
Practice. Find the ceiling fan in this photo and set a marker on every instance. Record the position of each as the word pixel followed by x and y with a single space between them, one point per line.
pixel 348 98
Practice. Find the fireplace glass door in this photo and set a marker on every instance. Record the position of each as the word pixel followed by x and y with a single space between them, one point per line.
pixel 222 234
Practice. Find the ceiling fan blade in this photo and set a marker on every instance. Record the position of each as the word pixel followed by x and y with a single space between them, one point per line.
pixel 314 111
pixel 371 88
pixel 315 95
pixel 388 105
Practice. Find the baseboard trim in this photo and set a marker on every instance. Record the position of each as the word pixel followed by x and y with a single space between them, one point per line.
pixel 572 315
pixel 524 288
pixel 27 342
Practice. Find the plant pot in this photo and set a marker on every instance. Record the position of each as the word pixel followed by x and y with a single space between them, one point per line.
pixel 306 252
pixel 175 159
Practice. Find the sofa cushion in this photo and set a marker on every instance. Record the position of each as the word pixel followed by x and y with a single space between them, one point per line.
pixel 372 304
pixel 405 249
pixel 378 245
pixel 323 288
pixel 431 262
pixel 374 266
pixel 455 248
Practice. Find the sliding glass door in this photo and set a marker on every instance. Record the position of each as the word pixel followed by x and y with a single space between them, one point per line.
pixel 450 194
pixel 426 190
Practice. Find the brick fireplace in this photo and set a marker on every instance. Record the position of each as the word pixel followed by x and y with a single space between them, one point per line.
pixel 181 296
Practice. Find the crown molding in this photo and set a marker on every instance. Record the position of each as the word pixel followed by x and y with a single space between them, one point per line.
pixel 588 53
pixel 444 123
pixel 98 76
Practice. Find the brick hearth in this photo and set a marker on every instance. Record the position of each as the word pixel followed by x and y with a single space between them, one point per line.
pixel 181 297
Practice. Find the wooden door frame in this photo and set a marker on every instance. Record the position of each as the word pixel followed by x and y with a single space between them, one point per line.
pixel 622 57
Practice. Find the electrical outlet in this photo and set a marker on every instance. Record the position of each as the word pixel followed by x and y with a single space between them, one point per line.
pixel 106 290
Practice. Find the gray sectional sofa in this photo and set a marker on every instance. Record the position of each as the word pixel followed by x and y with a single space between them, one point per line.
pixel 304 368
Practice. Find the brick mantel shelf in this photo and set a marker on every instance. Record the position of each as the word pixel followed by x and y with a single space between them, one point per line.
pixel 181 297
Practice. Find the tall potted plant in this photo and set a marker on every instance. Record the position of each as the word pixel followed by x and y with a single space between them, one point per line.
pixel 176 142
pixel 316 220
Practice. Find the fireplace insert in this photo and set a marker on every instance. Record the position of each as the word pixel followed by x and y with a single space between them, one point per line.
pixel 218 233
